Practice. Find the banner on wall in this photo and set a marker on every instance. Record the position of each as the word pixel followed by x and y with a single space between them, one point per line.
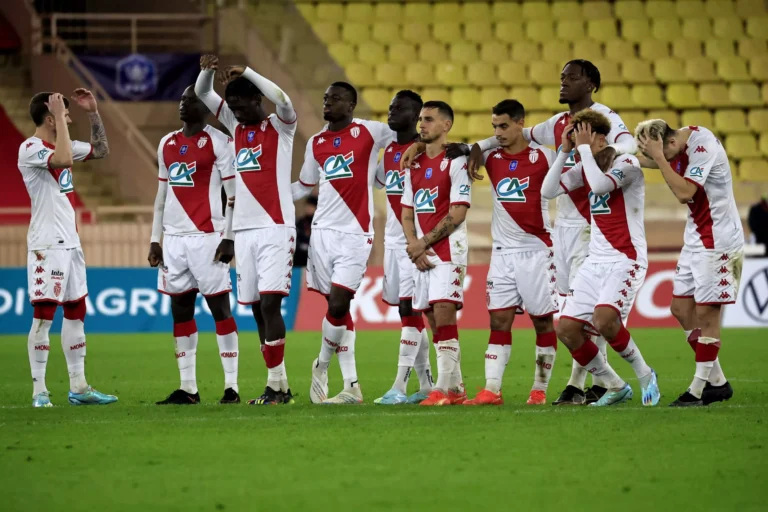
pixel 751 308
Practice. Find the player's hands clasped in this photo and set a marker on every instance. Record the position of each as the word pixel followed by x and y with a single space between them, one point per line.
pixel 56 105
pixel 155 257
pixel 208 62
pixel 566 141
pixel 231 72
pixel 225 252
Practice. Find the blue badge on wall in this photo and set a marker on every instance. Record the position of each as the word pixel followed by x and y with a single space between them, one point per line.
pixel 428 174
pixel 183 149
pixel 397 156
pixel 251 136
pixel 337 142
pixel 513 165
pixel 137 76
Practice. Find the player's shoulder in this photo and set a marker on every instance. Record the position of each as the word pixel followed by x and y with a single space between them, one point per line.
pixel 30 146
pixel 625 161
pixel 458 163
pixel 548 153
pixel 169 139
pixel 216 134
pixel 603 109
pixel 32 151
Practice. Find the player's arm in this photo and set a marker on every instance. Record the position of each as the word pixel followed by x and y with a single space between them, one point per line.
pixel 155 257
pixel 542 133
pixel 555 182
pixel 309 175
pixel 225 252
pixel 682 187
pixel 99 147
pixel 645 161
pixel 62 156
pixel 204 90
pixel 225 164
pixel 408 220
pixel 275 94
pixel 381 175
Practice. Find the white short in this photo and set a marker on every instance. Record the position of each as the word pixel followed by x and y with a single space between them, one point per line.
pixel 56 275
pixel 398 277
pixel 709 277
pixel 443 283
pixel 517 279
pixel 264 262
pixel 338 259
pixel 571 249
pixel 188 266
pixel 613 285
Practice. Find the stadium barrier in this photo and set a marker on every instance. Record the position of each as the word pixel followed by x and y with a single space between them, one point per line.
pixel 126 300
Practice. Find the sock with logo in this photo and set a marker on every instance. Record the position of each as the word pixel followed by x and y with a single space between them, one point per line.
pixel 274 352
pixel 628 350
pixel 447 357
pixel 186 354
pixel 496 358
pixel 39 346
pixel 346 354
pixel 422 366
pixel 588 356
pixel 333 331
pixel 602 345
pixel 226 336
pixel 716 376
pixel 73 343
pixel 706 354
pixel 410 343
pixel 546 350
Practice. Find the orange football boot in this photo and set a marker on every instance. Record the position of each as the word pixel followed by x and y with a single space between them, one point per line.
pixel 457 398
pixel 486 397
pixel 436 398
pixel 537 397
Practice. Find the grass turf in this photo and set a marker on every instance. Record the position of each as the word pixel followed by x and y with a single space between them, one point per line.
pixel 134 455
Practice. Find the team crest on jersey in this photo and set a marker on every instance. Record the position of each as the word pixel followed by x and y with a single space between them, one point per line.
pixel 428 173
pixel 338 166
pixel 180 174
pixel 444 164
pixel 397 156
pixel 183 149
pixel 264 125
pixel 513 165
pixel 512 190
pixel 394 183
pixel 202 142
pixel 355 132
pixel 65 181
pixel 533 156
pixel 598 204
pixel 248 159
pixel 251 135
pixel 424 200
pixel 337 142
pixel 57 289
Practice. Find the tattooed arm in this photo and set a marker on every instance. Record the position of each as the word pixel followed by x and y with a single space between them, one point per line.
pixel 98 136
pixel 448 225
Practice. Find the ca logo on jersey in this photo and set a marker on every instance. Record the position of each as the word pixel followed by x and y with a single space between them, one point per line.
pixel 570 161
pixel 180 174
pixel 598 204
pixel 338 166
pixel 424 200
pixel 65 181
pixel 394 182
pixel 512 190
pixel 248 159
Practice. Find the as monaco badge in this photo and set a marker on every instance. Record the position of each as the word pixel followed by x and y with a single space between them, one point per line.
pixel 264 125
pixel 533 156
pixel 57 289
pixel 444 164
pixel 355 132
pixel 202 142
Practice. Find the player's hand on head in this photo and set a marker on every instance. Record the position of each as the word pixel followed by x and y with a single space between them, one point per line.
pixel 56 105
pixel 455 150
pixel 474 163
pixel 584 134
pixel 232 72
pixel 84 99
pixel 225 252
pixel 566 140
pixel 209 62
pixel 155 257
pixel 653 148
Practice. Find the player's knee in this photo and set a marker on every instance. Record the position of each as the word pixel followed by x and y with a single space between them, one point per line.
pixel 445 313
pixel 679 311
pixel 182 311
pixel 270 305
pixel 405 308
pixel 502 320
pixel 708 316
pixel 606 322
pixel 220 309
pixel 543 324
pixel 75 310
pixel 338 307
pixel 568 332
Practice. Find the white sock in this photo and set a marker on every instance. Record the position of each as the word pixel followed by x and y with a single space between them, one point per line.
pixel 457 379
pixel 578 376
pixel 38 346
pixel 603 346
pixel 228 351
pixel 447 362
pixel 716 375
pixel 276 377
pixel 632 355
pixel 545 361
pixel 700 378
pixel 283 377
pixel 346 354
pixel 186 358
pixel 423 367
pixel 73 343
pixel 600 367
pixel 410 342
pixel 332 336
pixel 496 358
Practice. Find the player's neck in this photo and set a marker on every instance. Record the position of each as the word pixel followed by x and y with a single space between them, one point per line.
pixel 46 135
pixel 407 136
pixel 581 104
pixel 435 147
pixel 516 147
pixel 192 129
pixel 335 126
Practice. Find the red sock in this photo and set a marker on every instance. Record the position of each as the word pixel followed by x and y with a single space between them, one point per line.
pixel 706 352
pixel 620 342
pixel 546 339
pixel 585 353
pixel 500 338
pixel 693 338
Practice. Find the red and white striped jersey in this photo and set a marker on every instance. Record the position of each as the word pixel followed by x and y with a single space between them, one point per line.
pixel 263 154
pixel 52 225
pixel 392 179
pixel 194 168
pixel 618 230
pixel 573 209
pixel 713 219
pixel 431 187
pixel 520 215
pixel 344 164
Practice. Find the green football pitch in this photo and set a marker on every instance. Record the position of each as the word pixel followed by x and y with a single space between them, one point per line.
pixel 134 455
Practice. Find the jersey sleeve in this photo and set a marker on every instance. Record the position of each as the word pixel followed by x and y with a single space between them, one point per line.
pixel 225 156
pixel 548 154
pixel 382 134
pixel 407 199
pixel 34 154
pixel 214 102
pixel 625 171
pixel 81 151
pixel 162 170
pixel 461 187
pixel 310 170
pixel 573 178
pixel 702 153
pixel 381 174
pixel 544 133
pixel 618 128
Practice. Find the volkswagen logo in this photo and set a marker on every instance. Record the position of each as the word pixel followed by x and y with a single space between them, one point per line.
pixel 756 296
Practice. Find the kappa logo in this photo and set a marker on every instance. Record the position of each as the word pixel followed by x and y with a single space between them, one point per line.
pixel 724 257
pixel 39 270
pixel 489 285
pixel 724 282
pixel 724 296
pixel 338 166
pixel 65 182
pixel 29 145
pixel 394 182
pixel 247 159
pixel 512 190
pixel 180 174
pixel 424 200
pixel 598 204
pixel 700 149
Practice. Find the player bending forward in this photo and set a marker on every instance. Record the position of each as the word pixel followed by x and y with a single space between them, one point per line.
pixel 193 164
pixel 696 168
pixel 398 269
pixel 436 196
pixel 264 215
pixel 605 287
pixel 522 270
pixel 55 262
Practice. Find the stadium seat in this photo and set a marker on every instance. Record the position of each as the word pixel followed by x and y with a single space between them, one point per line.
pixel 742 146
pixel 539 30
pixel 342 53
pixel 509 31
pixel 549 98
pixel 371 52
pixel 490 96
pixel 637 71
pixel 479 126
pixel 570 30
pixel 536 11
pixel 416 33
pixel 330 12
pixel 450 74
pixel 418 12
pixel 757 28
pixel 747 8
pixel 566 10
pixel 653 177
pixel 764 92
pixel 465 99
pixel 460 129
pixel 544 73
pixel 698 29
pixel 665 29
pixel 697 118
pixel 602 30
pixel 651 49
pixel 682 96
pixel 632 118
pixel 691 9
pixel 647 96
pixel 360 74
pixel 389 74
pixel 308 11
pixel 749 48
pixel 587 49
pixel 386 31
pixel 629 10
pixel 714 95
pixel 447 11
pixel 670 116
pixel 385 11
pixel 746 95
pixel 728 28
pixel 700 69
pixel 359 13
pixel 717 8
pixel 669 70
pixel 733 69
pixel 754 170
pixel 436 94
pixel 431 51
pixel 635 30
pixel 475 11
pixel 719 48
pixel 506 11
pixel 731 121
pixel 402 53
pixel 617 96
pixel 513 73
pixel 556 51
pixel 660 9
pixel 482 74
pixel 477 31
pixel 619 51
pixel 596 10
pixel 686 49
pixel 463 53
pixel 536 117
pixel 763 144
pixel 758 119
pixel 376 98
pixel 494 51
pixel 327 32
pixel 420 74
pixel 609 71
pixel 525 51
pixel 447 31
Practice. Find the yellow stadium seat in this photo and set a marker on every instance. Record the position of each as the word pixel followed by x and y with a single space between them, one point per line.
pixel 635 30
pixel 728 120
pixel 686 49
pixel 433 52
pixel 570 30
pixel 758 119
pixel 402 53
pixel 385 11
pixel 691 9
pixel 747 8
pixel 697 118
pixel 376 98
pixel 669 70
pixel 360 74
pixel 460 128
pixel 536 11
pixel 513 73
pixel 749 48
pixel 465 99
pixel 536 117
pixel 754 169
pixel 619 50
pixel 525 51
pixel 450 74
pixel 528 96
pixel 632 118
pixel 479 126
pixel 509 31
pixel 447 11
pixel 436 94
pixel 359 13
pixel 629 10
pixel 323 75
pixel 719 48
pixel 651 49
pixel 389 74
pixel 371 52
pixel 660 9
pixel 670 116
pixel 587 49
pixel 539 30
pixel 602 30
pixel 463 53
pixel 682 96
pixel 757 28
pixel 617 96
pixel 494 51
pixel 763 144
pixel 698 29
pixel 665 29
pixel 330 12
pixel 728 28
pixel 308 11
pixel 733 69
pixel 506 11
pixel 472 11
pixel 596 10
pixel 549 98
pixel 418 12
pixel 714 95
pixel 342 52
pixel 327 32
pixel 490 96
pixel 647 96
pixel 746 94
pixel 609 71
pixel 742 146
pixel 415 32
pixel 544 73
pixel 477 31
pixel 764 92
pixel 637 71
pixel 564 10
pixel 717 8
pixel 482 73
pixel 386 32
pixel 700 70
pixel 556 51
pixel 447 32
pixel 420 74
